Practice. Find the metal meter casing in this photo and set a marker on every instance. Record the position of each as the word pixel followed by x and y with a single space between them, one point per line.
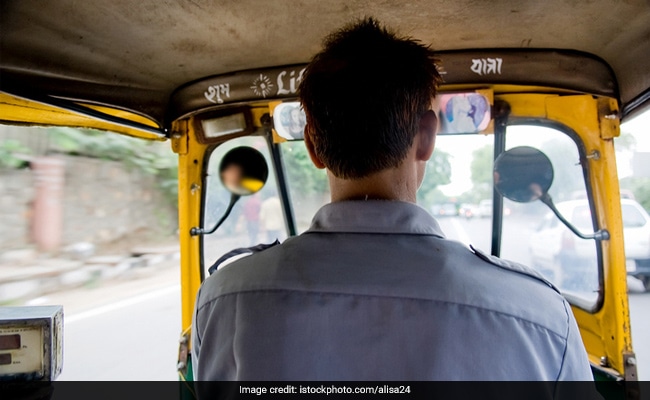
pixel 31 343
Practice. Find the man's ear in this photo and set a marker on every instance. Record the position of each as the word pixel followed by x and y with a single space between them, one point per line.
pixel 427 136
pixel 310 148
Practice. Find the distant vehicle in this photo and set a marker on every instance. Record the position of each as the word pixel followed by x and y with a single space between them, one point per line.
pixel 469 211
pixel 485 208
pixel 444 210
pixel 636 238
pixel 563 257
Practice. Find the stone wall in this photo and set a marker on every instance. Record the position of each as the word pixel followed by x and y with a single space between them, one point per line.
pixel 16 195
pixel 102 201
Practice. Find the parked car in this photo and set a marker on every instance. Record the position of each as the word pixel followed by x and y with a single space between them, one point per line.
pixel 636 237
pixel 564 258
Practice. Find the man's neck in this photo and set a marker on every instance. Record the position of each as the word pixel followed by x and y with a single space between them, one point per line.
pixel 390 184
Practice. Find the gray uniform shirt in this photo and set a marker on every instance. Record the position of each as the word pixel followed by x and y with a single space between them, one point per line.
pixel 373 291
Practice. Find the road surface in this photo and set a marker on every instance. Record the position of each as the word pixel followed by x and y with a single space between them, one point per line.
pixel 124 330
pixel 129 330
pixel 640 319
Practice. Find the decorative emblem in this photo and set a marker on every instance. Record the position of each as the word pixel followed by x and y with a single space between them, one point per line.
pixel 262 86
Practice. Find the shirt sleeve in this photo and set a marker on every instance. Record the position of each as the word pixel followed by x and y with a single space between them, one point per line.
pixel 196 338
pixel 575 363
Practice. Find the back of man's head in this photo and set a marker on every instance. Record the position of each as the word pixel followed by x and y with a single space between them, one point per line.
pixel 363 95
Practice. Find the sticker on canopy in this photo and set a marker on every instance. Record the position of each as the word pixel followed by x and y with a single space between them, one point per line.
pixel 262 86
pixel 464 113
pixel 485 66
pixel 214 93
pixel 289 121
pixel 293 81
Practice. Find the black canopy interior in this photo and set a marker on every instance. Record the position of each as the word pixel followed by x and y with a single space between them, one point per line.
pixel 134 54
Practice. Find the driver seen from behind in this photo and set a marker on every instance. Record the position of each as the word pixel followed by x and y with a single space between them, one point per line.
pixel 373 290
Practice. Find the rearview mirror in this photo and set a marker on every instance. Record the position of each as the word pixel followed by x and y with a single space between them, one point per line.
pixel 523 174
pixel 243 171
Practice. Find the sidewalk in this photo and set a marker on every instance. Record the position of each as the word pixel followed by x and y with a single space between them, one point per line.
pixel 26 275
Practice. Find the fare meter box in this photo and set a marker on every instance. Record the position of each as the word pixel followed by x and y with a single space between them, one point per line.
pixel 31 343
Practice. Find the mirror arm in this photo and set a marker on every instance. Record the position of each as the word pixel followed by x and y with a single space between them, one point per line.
pixel 196 231
pixel 602 234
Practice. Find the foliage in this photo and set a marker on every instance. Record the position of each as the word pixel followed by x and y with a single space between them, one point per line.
pixel 478 192
pixel 568 177
pixel 152 158
pixel 307 179
pixel 481 175
pixel 626 141
pixel 302 175
pixel 434 196
pixel 9 154
pixel 481 166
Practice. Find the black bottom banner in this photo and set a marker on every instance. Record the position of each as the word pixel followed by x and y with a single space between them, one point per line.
pixel 333 390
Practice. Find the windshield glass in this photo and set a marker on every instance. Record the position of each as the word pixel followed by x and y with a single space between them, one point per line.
pixel 571 263
pixel 308 186
pixel 457 190
pixel 254 219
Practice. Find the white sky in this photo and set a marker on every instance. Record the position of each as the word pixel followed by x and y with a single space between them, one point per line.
pixel 639 128
pixel 460 147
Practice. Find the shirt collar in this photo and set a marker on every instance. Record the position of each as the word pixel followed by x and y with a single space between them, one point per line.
pixel 375 216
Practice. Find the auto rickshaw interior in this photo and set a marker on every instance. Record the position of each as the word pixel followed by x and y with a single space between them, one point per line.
pixel 216 78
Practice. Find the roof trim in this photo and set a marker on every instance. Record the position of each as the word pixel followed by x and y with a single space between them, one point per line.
pixel 74 107
pixel 636 105
pixel 562 69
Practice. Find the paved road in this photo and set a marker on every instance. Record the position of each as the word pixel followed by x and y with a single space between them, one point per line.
pixel 640 319
pixel 122 330
pixel 128 330
pixel 133 339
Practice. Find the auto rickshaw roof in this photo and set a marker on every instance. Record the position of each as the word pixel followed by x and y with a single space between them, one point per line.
pixel 134 55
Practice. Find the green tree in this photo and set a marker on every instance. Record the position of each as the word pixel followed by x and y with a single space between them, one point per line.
pixel 481 166
pixel 626 141
pixel 301 173
pixel 10 154
pixel 481 176
pixel 568 177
